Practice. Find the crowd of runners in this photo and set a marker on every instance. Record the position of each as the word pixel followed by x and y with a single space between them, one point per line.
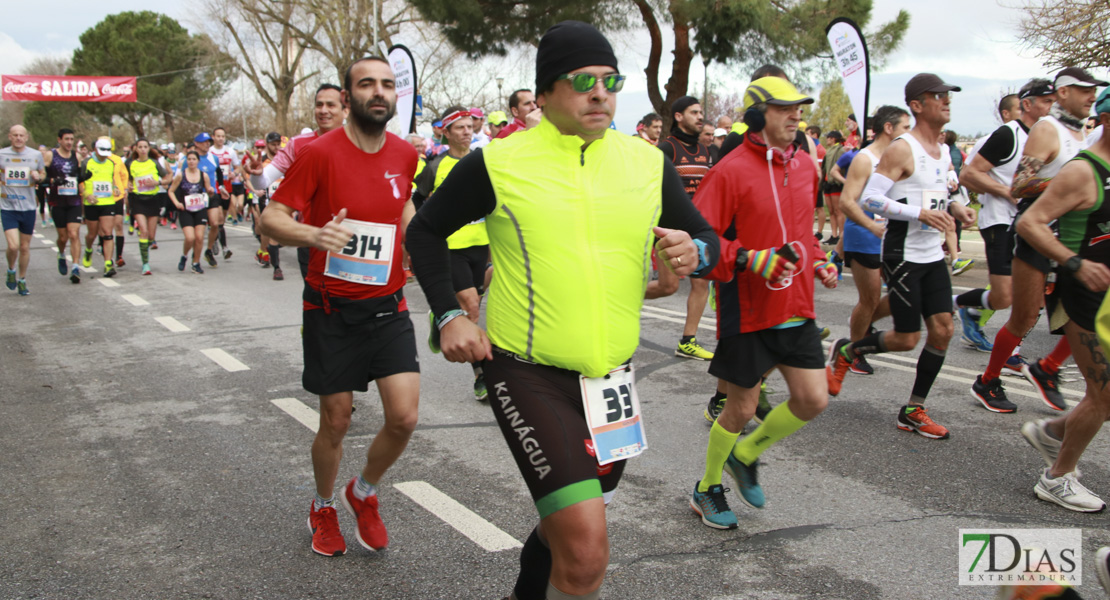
pixel 510 208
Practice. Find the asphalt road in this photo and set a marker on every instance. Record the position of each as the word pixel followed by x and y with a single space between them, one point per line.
pixel 136 466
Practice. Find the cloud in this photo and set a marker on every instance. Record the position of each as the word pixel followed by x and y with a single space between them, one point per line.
pixel 13 57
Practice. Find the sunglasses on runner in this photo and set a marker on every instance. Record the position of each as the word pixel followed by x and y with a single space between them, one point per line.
pixel 585 82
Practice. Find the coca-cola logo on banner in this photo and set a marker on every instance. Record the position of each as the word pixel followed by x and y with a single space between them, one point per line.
pixel 28 87
pixel 123 88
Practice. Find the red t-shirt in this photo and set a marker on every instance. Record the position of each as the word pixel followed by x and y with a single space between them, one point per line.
pixel 331 174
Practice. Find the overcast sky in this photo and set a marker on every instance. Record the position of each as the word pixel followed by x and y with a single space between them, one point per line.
pixel 970 43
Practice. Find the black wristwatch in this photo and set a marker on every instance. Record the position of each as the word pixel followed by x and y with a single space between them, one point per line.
pixel 1072 264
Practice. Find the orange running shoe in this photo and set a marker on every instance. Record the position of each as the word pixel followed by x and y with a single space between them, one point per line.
pixel 913 417
pixel 837 366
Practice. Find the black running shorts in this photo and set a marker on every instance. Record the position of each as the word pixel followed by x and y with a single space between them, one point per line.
pixel 1023 250
pixel 192 219
pixel 539 409
pixel 64 215
pixel 468 268
pixel 999 245
pixel 95 212
pixel 862 259
pixel 146 205
pixel 238 189
pixel 355 343
pixel 917 290
pixel 744 358
pixel 1080 303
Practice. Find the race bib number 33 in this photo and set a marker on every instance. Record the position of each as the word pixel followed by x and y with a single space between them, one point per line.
pixel 367 258
pixel 613 415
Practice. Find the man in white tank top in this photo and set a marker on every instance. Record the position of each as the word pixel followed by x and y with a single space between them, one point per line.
pixel 1053 141
pixel 863 244
pixel 911 188
pixel 990 173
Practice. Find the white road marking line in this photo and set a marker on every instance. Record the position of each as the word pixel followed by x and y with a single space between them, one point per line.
pixel 943 375
pixel 1011 380
pixel 48 242
pixel 674 320
pixel 299 411
pixel 224 359
pixel 133 299
pixel 105 282
pixel 39 235
pixel 172 324
pixel 464 520
pixel 91 270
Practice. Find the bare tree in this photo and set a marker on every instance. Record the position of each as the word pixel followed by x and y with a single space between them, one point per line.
pixel 1067 33
pixel 271 51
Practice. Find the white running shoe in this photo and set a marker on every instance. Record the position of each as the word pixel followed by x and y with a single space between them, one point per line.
pixel 1066 491
pixel 1035 432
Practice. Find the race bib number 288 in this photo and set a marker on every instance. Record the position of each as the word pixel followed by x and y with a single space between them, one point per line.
pixel 613 415
pixel 367 258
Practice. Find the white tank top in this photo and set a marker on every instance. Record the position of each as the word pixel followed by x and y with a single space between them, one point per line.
pixel 996 210
pixel 927 188
pixel 1069 147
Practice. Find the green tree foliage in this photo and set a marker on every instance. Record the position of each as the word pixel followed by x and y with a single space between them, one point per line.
pixel 831 109
pixel 164 56
pixel 790 33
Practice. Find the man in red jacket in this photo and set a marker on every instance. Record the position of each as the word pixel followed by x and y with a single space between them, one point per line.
pixel 765 307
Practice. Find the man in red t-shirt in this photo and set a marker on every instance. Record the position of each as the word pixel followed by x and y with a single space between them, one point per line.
pixel 356 322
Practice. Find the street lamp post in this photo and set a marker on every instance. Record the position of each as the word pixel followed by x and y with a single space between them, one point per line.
pixel 500 80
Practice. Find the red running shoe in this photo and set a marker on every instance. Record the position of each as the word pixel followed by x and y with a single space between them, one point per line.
pixel 371 530
pixel 327 540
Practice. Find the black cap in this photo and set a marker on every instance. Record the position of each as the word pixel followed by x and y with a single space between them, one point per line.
pixel 1078 77
pixel 568 46
pixel 927 82
pixel 1037 88
pixel 680 105
pixel 273 136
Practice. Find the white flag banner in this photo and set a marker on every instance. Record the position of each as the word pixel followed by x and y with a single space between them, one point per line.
pixel 404 73
pixel 850 53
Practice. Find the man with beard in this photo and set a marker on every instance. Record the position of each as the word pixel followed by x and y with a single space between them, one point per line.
pixel 356 322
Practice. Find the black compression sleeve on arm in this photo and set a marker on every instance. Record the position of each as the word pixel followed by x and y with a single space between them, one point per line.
pixel 466 195
pixel 679 213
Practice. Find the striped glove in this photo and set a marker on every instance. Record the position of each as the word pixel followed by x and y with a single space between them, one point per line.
pixel 767 264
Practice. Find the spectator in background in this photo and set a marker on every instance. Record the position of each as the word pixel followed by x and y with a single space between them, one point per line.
pixel 724 122
pixel 497 121
pixel 715 148
pixel 831 188
pixel 814 133
pixel 852 127
pixel 706 135
pixel 650 128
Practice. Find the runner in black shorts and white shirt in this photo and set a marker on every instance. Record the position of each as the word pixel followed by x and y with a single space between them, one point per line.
pixel 863 233
pixel 1052 142
pixel 911 188
pixel 990 173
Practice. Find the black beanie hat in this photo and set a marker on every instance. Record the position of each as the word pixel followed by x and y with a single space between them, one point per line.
pixel 568 46
pixel 683 103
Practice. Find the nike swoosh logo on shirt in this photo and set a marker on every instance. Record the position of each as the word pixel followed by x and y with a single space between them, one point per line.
pixel 391 176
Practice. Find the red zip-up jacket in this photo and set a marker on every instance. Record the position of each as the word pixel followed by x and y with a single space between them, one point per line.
pixel 738 200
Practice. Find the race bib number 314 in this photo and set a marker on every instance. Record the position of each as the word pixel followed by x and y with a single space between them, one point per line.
pixel 367 258
pixel 613 415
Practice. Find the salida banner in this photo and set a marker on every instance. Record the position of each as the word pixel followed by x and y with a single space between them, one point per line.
pixel 60 88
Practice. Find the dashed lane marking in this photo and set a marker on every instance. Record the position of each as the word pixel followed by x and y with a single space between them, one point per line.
pixel 224 359
pixel 464 520
pixel 133 299
pixel 299 411
pixel 105 282
pixel 172 324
